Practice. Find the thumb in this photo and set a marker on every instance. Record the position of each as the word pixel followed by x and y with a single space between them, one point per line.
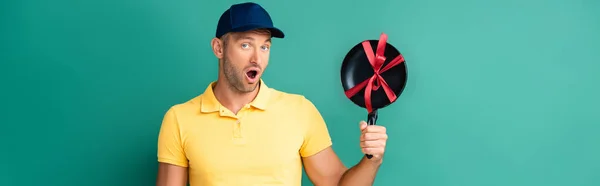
pixel 363 125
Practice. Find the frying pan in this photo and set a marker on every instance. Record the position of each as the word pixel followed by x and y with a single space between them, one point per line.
pixel 373 75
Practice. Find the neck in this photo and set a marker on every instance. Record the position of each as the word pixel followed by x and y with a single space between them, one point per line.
pixel 231 98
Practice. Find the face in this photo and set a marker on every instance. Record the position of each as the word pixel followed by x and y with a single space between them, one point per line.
pixel 244 58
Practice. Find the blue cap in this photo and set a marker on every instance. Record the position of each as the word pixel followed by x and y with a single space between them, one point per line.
pixel 244 17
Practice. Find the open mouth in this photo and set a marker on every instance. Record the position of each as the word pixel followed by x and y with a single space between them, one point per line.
pixel 252 74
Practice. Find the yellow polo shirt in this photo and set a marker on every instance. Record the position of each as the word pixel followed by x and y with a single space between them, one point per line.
pixel 261 145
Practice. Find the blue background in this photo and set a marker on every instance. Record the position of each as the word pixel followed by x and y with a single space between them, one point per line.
pixel 500 92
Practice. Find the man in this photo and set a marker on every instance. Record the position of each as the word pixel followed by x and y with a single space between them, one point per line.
pixel 241 132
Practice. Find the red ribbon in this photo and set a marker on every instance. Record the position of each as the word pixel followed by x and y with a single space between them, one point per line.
pixel 376 81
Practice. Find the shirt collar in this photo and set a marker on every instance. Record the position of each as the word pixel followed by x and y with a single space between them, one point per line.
pixel 210 103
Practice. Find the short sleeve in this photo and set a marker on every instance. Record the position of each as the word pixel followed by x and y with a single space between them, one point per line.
pixel 316 137
pixel 170 146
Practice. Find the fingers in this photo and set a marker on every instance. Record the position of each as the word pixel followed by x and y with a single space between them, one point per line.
pixel 372 144
pixel 363 125
pixel 373 140
pixel 373 137
pixel 373 129
pixel 373 151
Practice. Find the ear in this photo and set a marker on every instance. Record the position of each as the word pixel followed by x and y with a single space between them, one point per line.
pixel 217 47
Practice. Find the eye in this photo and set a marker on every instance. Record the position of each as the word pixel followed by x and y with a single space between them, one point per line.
pixel 265 48
pixel 245 45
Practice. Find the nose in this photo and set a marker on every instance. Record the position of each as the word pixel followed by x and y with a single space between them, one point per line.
pixel 256 57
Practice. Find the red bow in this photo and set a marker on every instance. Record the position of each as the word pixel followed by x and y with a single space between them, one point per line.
pixel 376 62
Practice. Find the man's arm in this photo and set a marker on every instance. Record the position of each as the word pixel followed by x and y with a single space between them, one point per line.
pixel 172 166
pixel 372 141
pixel 171 175
pixel 362 173
pixel 326 169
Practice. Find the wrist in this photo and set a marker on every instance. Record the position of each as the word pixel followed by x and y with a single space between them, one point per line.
pixel 375 164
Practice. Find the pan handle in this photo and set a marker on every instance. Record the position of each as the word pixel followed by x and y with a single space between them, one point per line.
pixel 371 120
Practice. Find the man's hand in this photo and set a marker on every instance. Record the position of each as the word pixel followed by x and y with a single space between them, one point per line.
pixel 373 139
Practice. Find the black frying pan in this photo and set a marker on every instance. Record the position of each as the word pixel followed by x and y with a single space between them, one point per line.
pixel 358 75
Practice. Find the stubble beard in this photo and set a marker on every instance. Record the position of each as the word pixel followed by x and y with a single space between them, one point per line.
pixel 235 78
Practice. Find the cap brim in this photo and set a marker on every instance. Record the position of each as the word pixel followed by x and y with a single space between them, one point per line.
pixel 275 32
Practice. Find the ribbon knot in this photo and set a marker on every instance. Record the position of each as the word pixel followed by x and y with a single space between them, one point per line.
pixel 376 81
pixel 380 60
